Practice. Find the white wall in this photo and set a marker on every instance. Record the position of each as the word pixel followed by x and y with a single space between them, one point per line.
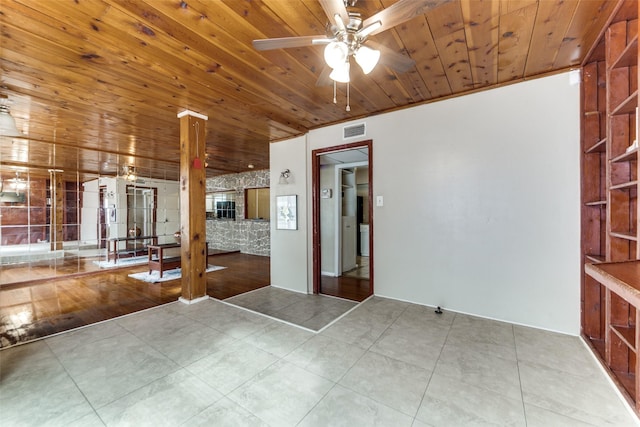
pixel 481 203
pixel 289 265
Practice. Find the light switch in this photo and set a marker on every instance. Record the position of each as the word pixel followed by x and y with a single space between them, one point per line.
pixel 379 201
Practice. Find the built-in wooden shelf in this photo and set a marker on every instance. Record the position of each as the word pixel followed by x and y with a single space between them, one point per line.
pixel 598 147
pixel 626 235
pixel 597 259
pixel 627 156
pixel 622 278
pixel 624 185
pixel 627 334
pixel 610 291
pixel 629 56
pixel 627 106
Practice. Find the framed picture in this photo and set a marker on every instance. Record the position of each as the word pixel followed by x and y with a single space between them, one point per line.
pixel 287 212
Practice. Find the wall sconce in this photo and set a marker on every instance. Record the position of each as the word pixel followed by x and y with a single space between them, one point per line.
pixel 285 175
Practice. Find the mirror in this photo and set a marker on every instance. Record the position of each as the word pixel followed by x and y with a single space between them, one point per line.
pixel 141 211
pixel 257 203
pixel 56 219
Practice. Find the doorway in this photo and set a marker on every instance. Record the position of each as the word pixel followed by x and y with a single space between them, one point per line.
pixel 343 221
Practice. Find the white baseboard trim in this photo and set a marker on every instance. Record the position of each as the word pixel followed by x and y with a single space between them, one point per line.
pixel 193 301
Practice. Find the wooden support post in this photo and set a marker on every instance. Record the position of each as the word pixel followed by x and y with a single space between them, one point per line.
pixel 192 207
pixel 56 220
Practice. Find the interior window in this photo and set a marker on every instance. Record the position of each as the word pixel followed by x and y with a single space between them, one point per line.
pixel 257 203
pixel 221 205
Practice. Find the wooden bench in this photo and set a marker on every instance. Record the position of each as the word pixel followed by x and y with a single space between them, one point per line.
pixel 159 262
pixel 115 252
pixel 157 259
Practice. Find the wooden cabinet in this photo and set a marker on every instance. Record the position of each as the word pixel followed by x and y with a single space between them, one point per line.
pixel 610 239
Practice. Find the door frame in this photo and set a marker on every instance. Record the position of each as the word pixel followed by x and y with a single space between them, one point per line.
pixel 315 197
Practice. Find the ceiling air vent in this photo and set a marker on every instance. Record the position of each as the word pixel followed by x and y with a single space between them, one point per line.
pixel 353 131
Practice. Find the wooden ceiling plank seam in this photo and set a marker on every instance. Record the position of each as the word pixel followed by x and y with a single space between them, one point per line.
pixel 259 82
pixel 117 38
pixel 406 38
pixel 548 34
pixel 248 12
pixel 515 31
pixel 584 30
pixel 422 49
pixel 481 31
pixel 458 70
pixel 79 87
pixel 75 147
pixel 362 96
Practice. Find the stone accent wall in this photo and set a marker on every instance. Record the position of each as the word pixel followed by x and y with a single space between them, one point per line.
pixel 248 236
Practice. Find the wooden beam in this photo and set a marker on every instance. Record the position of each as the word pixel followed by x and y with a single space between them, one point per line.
pixel 192 207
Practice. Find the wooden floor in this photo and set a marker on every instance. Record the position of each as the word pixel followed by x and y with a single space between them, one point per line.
pixel 48 302
pixel 353 288
pixel 39 308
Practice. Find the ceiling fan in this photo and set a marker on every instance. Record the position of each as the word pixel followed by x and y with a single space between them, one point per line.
pixel 347 33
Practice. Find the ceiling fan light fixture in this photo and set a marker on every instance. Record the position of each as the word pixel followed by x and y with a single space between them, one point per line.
pixel 7 122
pixel 367 58
pixel 341 73
pixel 364 32
pixel 335 54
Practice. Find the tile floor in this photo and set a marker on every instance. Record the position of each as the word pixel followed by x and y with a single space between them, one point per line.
pixel 313 312
pixel 385 363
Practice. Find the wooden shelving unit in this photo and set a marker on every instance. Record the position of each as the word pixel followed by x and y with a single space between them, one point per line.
pixel 610 293
pixel 619 349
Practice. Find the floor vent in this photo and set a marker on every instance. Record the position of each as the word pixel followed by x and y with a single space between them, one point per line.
pixel 353 131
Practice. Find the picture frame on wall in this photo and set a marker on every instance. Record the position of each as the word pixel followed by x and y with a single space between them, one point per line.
pixel 287 212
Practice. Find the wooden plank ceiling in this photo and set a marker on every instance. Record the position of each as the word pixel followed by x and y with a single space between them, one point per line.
pixel 96 84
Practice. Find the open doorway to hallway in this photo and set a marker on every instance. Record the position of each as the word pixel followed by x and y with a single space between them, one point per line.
pixel 342 221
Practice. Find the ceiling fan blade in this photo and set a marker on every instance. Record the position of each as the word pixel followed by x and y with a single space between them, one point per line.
pixel 324 79
pixel 364 32
pixel 400 12
pixel 285 42
pixel 333 8
pixel 391 58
